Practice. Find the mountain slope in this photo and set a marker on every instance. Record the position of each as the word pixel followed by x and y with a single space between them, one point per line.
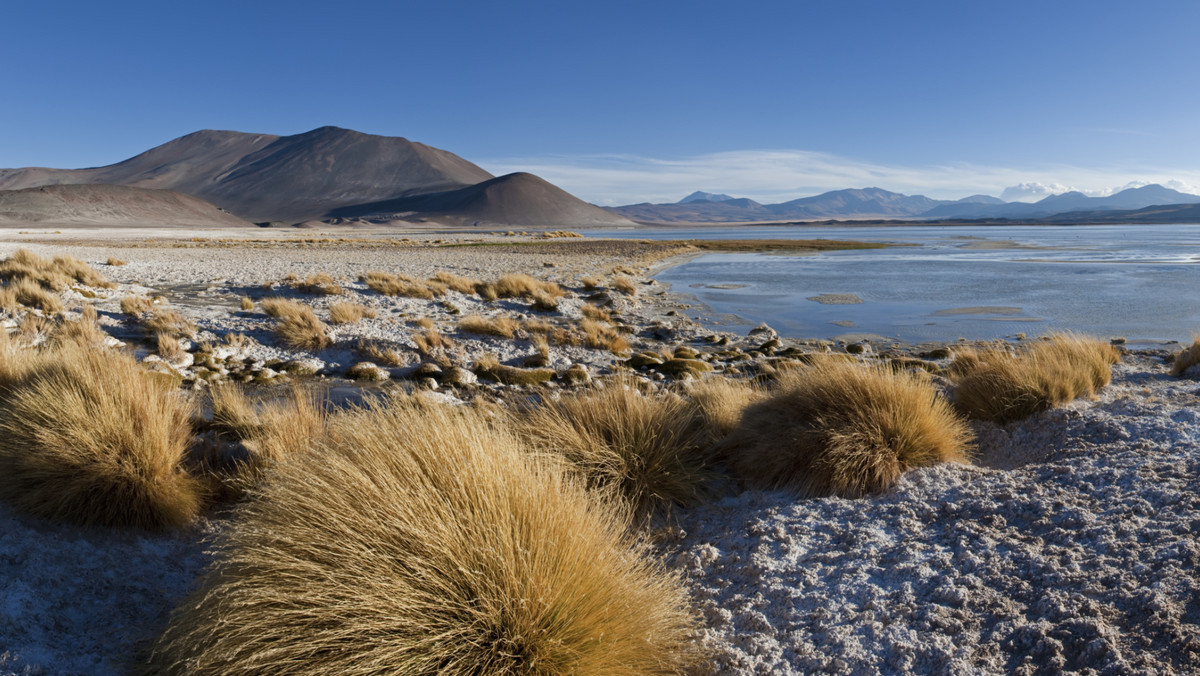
pixel 837 204
pixel 1131 198
pixel 104 204
pixel 289 178
pixel 512 199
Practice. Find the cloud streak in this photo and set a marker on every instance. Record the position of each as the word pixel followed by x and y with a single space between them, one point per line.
pixel 779 175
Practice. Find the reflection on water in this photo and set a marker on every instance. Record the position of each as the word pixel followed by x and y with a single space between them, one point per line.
pixel 1138 281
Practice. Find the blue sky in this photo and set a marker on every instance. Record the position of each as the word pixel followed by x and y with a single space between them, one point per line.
pixel 629 101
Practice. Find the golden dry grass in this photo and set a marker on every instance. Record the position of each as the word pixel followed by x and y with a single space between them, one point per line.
pixel 382 353
pixel 397 285
pixel 463 285
pixel 8 300
pixel 487 366
pixel 504 327
pixel 431 341
pixel 247 304
pixel 161 320
pixel 1187 358
pixel 603 336
pixel 623 285
pixel 423 539
pixel 520 285
pixel 1000 385
pixel 347 313
pixel 721 403
pixel 31 294
pixel 115 262
pixel 136 305
pixel 645 448
pixel 298 325
pixel 846 429
pixel 594 313
pixel 168 346
pixel 88 437
pixel 320 284
pixel 589 283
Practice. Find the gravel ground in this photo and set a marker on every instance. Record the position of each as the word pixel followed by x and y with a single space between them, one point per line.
pixel 1071 547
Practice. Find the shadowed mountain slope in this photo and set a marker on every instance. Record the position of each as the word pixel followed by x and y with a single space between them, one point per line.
pixel 109 205
pixel 512 199
pixel 263 177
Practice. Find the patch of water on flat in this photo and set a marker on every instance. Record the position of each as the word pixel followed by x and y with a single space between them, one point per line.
pixel 1136 281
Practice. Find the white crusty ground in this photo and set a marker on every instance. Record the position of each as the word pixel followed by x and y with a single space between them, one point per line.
pixel 1076 552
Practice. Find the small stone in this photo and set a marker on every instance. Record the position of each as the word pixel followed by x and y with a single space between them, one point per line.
pixel 459 377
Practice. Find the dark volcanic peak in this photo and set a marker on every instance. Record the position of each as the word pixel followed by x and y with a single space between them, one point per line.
pixel 103 204
pixel 265 177
pixel 513 199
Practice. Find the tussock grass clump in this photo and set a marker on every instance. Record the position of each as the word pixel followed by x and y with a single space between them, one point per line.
pixel 136 305
pixel 83 331
pixel 599 335
pixel 623 285
pixel 8 300
pixel 846 429
pixel 431 341
pixel 298 326
pixel 247 304
pixel 589 283
pixel 463 285
pixel 1000 385
pixel 1189 357
pixel 272 430
pixel 519 285
pixel 348 313
pixel 594 313
pixel 504 327
pixel 382 353
pixel 645 448
pixel 30 294
pixel 55 275
pixel 115 262
pixel 320 284
pixel 168 346
pixel 422 538
pixel 721 403
pixel 397 285
pixel 88 437
pixel 543 302
pixel 160 320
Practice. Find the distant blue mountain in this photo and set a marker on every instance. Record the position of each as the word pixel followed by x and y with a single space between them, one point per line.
pixel 1131 198
pixel 701 196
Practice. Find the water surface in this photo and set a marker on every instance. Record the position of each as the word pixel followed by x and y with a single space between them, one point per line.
pixel 1136 281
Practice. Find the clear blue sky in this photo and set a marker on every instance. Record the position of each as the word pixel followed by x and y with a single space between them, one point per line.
pixel 639 98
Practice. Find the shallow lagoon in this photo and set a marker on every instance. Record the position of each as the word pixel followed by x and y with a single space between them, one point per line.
pixel 1140 282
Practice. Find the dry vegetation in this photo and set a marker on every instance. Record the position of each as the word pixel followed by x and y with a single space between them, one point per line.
pixel 270 430
pixel 135 306
pixel 381 353
pixel 525 286
pixel 170 322
pixel 504 327
pixel 623 285
pixel 846 429
pixel 463 285
pixel 55 275
pixel 720 403
pixel 1189 357
pixel 1001 385
pixel 320 284
pixel 88 437
pixel 487 366
pixel 424 539
pixel 298 326
pixel 397 285
pixel 645 448
pixel 345 312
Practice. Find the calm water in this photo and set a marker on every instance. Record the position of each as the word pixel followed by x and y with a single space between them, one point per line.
pixel 1141 282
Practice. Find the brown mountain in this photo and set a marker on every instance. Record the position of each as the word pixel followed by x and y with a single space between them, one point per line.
pixel 261 177
pixel 109 205
pixel 512 199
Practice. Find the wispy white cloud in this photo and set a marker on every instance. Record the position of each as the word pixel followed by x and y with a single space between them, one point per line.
pixel 780 175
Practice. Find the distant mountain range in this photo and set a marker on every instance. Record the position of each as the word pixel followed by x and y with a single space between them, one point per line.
pixel 327 173
pixel 876 203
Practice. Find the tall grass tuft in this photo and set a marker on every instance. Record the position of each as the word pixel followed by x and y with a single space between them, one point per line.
pixel 721 402
pixel 298 326
pixel 397 285
pixel 645 448
pixel 88 437
pixel 1000 385
pixel 1189 357
pixel 424 539
pixel 846 429
pixel 504 327
pixel 347 313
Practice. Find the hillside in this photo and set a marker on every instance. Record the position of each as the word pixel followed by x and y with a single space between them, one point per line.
pixel 109 205
pixel 513 199
pixel 261 177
